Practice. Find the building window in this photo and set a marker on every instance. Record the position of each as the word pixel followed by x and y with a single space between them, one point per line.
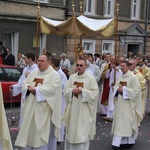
pixel 41 1
pixel 88 46
pixel 135 9
pixel 11 40
pixel 109 8
pixel 108 46
pixel 41 42
pixel 89 7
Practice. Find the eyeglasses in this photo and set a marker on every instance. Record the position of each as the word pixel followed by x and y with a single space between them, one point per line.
pixel 130 64
pixel 79 65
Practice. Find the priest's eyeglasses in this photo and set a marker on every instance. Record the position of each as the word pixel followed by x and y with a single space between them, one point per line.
pixel 131 64
pixel 79 65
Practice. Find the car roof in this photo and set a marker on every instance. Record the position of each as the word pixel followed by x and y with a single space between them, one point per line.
pixel 7 66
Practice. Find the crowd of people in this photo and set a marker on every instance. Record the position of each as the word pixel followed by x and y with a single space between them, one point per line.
pixel 60 101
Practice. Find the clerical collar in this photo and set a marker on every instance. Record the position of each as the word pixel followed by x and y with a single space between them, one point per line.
pixel 45 71
pixel 80 74
pixel 124 73
pixel 127 74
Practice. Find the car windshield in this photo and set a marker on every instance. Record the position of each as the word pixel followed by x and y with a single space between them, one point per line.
pixel 12 74
pixel 2 77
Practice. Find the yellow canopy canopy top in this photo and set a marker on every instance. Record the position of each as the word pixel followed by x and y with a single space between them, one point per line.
pixel 84 26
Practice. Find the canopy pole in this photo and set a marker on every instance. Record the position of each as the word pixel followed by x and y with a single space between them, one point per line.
pixel 37 29
pixel 116 39
pixel 81 13
pixel 81 7
pixel 74 25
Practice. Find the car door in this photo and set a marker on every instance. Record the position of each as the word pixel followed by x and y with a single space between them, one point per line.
pixel 10 76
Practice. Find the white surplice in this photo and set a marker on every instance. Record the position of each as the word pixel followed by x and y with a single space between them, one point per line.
pixel 17 87
pixel 63 102
pixel 111 77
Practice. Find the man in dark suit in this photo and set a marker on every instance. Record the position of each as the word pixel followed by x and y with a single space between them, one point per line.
pixel 10 58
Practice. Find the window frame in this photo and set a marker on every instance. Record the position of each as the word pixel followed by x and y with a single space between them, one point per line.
pixel 13 42
pixel 43 38
pixel 92 12
pixel 41 42
pixel 110 42
pixel 137 11
pixel 93 42
pixel 41 1
pixel 112 8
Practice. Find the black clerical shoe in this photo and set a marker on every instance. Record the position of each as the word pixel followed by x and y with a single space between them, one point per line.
pixel 59 143
pixel 128 145
pixel 115 147
pixel 124 146
pixel 103 115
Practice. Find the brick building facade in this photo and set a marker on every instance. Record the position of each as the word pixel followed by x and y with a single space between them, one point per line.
pixel 19 18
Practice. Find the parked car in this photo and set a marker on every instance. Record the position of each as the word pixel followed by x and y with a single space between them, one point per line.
pixel 9 75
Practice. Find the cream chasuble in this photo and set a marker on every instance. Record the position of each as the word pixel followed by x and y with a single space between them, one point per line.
pixel 80 113
pixel 146 73
pixel 128 107
pixel 143 88
pixel 39 115
pixel 5 140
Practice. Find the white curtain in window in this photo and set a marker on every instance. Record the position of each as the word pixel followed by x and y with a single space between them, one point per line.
pixel 15 43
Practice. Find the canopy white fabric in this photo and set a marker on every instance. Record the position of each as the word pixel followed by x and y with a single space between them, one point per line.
pixel 94 24
pixel 82 25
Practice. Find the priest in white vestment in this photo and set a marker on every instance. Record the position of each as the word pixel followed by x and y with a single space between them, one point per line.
pixel 142 80
pixel 41 108
pixel 127 110
pixel 81 93
pixel 146 73
pixel 5 140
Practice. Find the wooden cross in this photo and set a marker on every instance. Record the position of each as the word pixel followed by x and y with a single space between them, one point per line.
pixel 78 84
pixel 37 81
pixel 117 8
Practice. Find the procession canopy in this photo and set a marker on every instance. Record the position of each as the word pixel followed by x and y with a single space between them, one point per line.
pixel 84 26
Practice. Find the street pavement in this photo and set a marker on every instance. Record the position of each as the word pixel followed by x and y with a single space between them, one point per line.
pixel 103 136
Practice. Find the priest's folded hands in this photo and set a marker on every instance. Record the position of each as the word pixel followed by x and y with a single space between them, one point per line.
pixel 77 91
pixel 32 89
pixel 120 90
